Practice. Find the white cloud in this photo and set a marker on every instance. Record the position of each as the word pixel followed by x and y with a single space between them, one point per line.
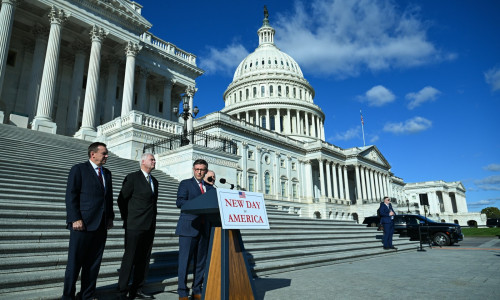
pixel 413 125
pixel 485 202
pixel 492 78
pixel 223 61
pixel 492 167
pixel 378 96
pixel 347 135
pixel 490 183
pixel 428 93
pixel 344 37
pixel 374 139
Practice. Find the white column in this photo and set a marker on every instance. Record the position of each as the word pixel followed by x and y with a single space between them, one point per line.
pixel 288 122
pixel 298 122
pixel 167 98
pixel 328 179
pixel 323 130
pixel 87 131
pixel 335 187
pixel 131 50
pixel 112 81
pixel 372 185
pixel 76 87
pixel 341 182
pixel 363 182
pixel 277 175
pixel 277 121
pixel 318 134
pixel 41 33
pixel 244 157
pixel 313 125
pixel 306 118
pixel 359 197
pixel 43 118
pixel 6 21
pixel 268 120
pixel 247 117
pixel 386 184
pixel 257 118
pixel 289 176
pixel 321 178
pixel 308 181
pixel 346 184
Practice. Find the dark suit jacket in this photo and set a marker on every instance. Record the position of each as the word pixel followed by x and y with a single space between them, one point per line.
pixel 137 203
pixel 385 218
pixel 86 199
pixel 188 224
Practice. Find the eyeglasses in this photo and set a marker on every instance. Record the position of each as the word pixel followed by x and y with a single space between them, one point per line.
pixel 200 170
pixel 388 199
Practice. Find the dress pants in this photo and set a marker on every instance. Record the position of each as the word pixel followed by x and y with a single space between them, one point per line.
pixel 194 248
pixel 85 254
pixel 388 233
pixel 138 246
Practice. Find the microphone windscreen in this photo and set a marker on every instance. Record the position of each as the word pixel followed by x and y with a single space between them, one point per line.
pixel 210 179
pixel 222 180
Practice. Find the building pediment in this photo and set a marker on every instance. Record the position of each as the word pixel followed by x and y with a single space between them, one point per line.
pixel 372 153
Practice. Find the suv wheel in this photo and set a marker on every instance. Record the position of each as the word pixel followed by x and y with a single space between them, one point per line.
pixel 441 239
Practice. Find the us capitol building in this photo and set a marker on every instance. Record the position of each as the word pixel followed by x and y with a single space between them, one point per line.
pixel 91 69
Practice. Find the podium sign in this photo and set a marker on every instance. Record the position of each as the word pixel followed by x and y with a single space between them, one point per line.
pixel 242 210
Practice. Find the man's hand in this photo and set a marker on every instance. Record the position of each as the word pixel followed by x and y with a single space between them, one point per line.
pixel 391 213
pixel 78 225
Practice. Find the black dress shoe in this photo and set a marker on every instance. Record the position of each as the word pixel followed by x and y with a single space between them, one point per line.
pixel 393 248
pixel 140 295
pixel 387 248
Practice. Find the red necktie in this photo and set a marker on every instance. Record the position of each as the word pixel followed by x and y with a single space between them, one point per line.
pixel 201 188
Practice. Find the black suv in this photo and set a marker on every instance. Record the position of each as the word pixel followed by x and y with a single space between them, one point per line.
pixel 442 234
pixel 494 222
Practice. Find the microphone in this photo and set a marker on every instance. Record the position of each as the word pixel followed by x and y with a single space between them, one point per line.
pixel 210 179
pixel 223 181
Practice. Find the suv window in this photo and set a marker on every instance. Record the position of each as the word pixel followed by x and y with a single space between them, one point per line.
pixel 412 220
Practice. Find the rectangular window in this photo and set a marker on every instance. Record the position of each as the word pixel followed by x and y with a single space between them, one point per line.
pixel 282 163
pixel 254 92
pixel 160 106
pixel 262 91
pixel 264 122
pixel 279 90
pixel 250 183
pixel 294 190
pixel 250 154
pixel 271 91
pixel 283 189
pixel 271 119
pixel 294 166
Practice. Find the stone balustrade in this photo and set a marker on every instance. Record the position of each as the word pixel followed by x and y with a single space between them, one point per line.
pixel 167 47
pixel 141 119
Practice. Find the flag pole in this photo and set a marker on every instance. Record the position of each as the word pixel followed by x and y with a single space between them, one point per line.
pixel 362 127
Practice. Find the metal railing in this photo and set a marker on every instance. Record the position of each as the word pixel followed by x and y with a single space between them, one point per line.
pixel 213 142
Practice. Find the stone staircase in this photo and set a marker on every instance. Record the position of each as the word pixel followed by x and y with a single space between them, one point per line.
pixel 34 241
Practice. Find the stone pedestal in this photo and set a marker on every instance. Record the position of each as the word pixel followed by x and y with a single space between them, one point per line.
pixel 86 134
pixel 44 126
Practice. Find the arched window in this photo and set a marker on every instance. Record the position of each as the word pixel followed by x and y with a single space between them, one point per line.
pixel 279 90
pixel 255 92
pixel 287 91
pixel 246 93
pixel 271 90
pixel 241 96
pixel 262 91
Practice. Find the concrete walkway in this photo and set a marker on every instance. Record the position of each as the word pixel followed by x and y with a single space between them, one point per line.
pixel 470 270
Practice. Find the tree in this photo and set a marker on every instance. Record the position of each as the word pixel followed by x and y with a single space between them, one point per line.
pixel 491 212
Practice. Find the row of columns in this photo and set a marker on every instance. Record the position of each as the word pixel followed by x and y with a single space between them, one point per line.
pixel 44 71
pixel 302 123
pixel 371 184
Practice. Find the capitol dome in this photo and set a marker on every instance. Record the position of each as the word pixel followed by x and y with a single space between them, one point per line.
pixel 269 90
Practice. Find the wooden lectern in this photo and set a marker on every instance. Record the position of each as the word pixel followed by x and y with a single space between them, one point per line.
pixel 227 273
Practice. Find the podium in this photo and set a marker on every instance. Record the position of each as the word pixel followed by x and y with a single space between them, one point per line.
pixel 227 273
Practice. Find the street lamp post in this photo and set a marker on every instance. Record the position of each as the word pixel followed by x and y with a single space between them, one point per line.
pixel 408 203
pixel 185 114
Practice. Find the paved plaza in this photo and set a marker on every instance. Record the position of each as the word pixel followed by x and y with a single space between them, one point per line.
pixel 470 270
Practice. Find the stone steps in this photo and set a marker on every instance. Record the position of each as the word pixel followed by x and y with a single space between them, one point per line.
pixel 33 238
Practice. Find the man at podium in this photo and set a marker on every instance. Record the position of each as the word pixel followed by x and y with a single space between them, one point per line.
pixel 193 232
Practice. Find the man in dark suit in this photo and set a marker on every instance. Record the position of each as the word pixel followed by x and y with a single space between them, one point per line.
pixel 387 220
pixel 138 208
pixel 89 214
pixel 193 233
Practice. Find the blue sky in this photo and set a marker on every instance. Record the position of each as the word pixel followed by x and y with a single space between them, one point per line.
pixel 426 74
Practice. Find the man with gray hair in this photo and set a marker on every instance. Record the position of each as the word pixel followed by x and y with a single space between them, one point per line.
pixel 138 208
